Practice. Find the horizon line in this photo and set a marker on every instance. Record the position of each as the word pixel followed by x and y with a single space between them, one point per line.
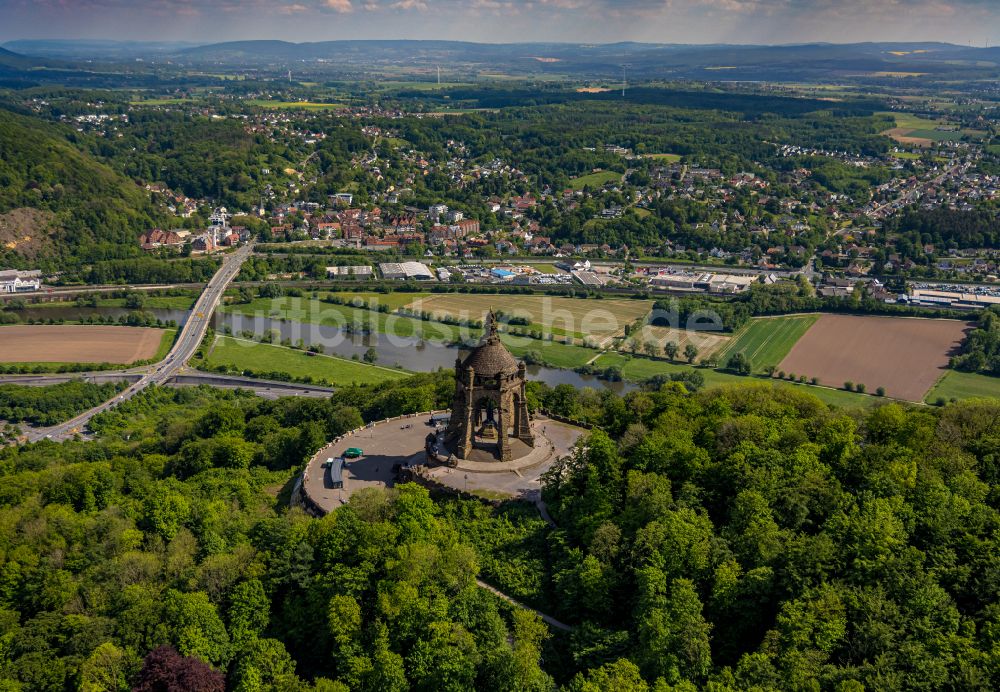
pixel 199 44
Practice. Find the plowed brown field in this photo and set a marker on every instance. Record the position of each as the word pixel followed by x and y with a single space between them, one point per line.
pixel 77 344
pixel 905 356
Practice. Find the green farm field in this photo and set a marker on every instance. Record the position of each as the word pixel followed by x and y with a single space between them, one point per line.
pixel 767 340
pixel 909 121
pixel 964 385
pixel 248 355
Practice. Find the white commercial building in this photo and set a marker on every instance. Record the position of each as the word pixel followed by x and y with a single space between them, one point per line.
pixel 14 281
pixel 359 272
pixel 954 299
pixel 731 283
pixel 406 271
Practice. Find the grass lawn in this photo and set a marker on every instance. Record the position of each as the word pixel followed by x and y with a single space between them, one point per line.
pixel 247 355
pixel 545 268
pixel 555 354
pixel 166 342
pixel 595 179
pixel 639 369
pixel 964 385
pixel 766 341
pixel 394 300
pixel 905 155
pixel 667 158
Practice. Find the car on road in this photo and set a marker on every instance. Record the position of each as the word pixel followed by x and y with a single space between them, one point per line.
pixel 353 453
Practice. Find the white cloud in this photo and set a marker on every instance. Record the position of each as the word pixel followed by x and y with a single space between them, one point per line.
pixel 341 6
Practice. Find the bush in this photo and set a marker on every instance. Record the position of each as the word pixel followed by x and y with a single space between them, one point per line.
pixel 860 388
pixel 849 386
pixel 880 391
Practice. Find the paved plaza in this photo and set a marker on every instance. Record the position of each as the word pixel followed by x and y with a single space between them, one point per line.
pixel 401 442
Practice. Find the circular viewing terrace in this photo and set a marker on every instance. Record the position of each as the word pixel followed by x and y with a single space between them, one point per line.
pixel 412 446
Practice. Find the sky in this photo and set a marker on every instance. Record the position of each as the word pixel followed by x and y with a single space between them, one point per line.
pixel 968 22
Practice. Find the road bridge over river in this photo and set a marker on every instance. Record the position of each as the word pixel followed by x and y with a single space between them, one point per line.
pixel 187 343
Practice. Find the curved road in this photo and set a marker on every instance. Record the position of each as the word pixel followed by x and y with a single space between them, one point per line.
pixel 185 346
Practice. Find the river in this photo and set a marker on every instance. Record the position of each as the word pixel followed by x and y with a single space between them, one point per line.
pixel 408 353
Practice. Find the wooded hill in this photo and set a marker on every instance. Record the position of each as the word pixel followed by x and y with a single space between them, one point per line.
pixel 93 213
pixel 739 538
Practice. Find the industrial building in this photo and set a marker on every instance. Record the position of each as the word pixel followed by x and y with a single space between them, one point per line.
pixel 358 273
pixel 406 271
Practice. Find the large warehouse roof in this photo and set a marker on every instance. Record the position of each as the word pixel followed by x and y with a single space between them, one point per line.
pixel 406 270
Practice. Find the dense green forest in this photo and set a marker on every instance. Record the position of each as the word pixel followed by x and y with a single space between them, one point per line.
pixel 944 228
pixel 755 539
pixel 148 270
pixel 199 156
pixel 54 404
pixel 739 538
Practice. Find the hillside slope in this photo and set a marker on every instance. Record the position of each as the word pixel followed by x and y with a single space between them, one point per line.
pixel 16 60
pixel 93 212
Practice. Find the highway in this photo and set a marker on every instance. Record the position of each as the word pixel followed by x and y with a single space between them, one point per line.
pixel 184 347
pixel 185 377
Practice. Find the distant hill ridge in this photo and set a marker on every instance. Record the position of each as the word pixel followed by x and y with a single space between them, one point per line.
pixel 16 60
pixel 712 62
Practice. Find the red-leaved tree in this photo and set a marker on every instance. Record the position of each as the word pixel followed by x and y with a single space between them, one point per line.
pixel 165 670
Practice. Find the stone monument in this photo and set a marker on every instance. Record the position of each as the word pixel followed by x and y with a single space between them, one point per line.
pixel 489 416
